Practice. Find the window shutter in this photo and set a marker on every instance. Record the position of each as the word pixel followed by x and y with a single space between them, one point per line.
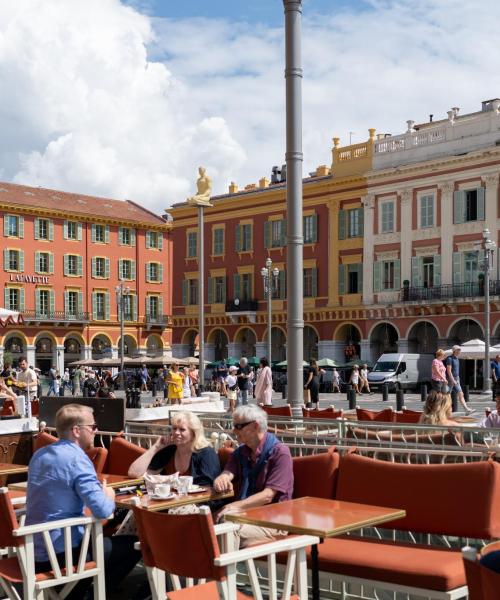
pixel 342 272
pixel 314 282
pixel 377 275
pixel 160 272
pixel 5 225
pixel 65 230
pixel 52 302
pixel 106 234
pixel 211 282
pixel 360 279
pixel 132 270
pixel 236 285
pixel 94 269
pixel 224 289
pixel 92 230
pixel 148 239
pixel 79 265
pixel 37 228
pixel 21 299
pixel 397 275
pixel 184 292
pixel 148 276
pixel 160 240
pixel 148 306
pixel 21 260
pixel 267 234
pixel 6 259
pixel 106 268
pixel 437 270
pixel 160 306
pixel 120 235
pixel 51 263
pixel 80 302
pixel 342 224
pixel 66 264
pixel 37 302
pixel 361 220
pixel 94 306
pixel 132 237
pixel 458 206
pixel 66 302
pixel 120 268
pixel 282 233
pixel 457 268
pixel 51 230
pixel 79 232
pixel 247 232
pixel 6 298
pixel 480 204
pixel 238 239
pixel 314 220
pixel 21 226
pixel 106 306
pixel 282 278
pixel 37 262
pixel 135 308
pixel 416 271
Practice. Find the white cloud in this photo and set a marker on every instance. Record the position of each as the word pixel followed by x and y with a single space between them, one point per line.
pixel 99 99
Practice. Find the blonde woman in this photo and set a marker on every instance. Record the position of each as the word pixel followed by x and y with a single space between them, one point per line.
pixel 438 375
pixel 175 382
pixel 186 451
pixel 437 410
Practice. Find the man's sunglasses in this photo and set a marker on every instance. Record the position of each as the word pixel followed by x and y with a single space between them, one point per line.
pixel 240 426
pixel 93 426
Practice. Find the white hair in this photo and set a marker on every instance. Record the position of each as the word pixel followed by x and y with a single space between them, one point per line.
pixel 249 412
pixel 243 360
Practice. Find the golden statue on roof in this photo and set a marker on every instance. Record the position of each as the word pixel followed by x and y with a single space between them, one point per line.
pixel 204 190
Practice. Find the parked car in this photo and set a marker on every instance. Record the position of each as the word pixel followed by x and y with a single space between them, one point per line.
pixel 401 371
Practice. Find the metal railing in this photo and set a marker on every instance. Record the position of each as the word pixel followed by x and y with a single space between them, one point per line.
pixel 162 320
pixel 448 292
pixel 56 315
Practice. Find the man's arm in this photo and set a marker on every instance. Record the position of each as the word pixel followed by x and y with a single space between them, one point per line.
pixel 450 374
pixel 99 499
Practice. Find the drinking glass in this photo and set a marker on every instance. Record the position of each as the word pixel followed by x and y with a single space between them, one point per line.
pixel 488 440
pixel 494 439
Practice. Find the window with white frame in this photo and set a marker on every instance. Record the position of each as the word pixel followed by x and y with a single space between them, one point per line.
pixel 427 211
pixel 387 217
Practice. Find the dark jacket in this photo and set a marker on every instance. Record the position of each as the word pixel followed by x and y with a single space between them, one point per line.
pixel 205 466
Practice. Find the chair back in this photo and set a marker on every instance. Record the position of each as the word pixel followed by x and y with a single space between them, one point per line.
pixel 8 408
pixel 316 474
pixel 482 582
pixel 278 411
pixel 8 521
pixel 407 417
pixel 98 456
pixel 35 408
pixel 327 413
pixel 121 455
pixel 43 439
pixel 224 453
pixel 184 545
pixel 386 415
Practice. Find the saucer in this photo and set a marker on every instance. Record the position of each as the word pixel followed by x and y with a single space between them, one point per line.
pixel 167 497
pixel 194 489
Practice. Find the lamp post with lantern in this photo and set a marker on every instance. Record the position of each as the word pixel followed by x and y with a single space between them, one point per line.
pixel 270 279
pixel 122 291
pixel 488 246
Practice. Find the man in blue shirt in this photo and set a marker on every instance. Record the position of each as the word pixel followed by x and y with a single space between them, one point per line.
pixel 61 481
pixel 453 374
pixel 495 371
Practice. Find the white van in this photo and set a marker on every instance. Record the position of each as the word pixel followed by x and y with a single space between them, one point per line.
pixel 401 371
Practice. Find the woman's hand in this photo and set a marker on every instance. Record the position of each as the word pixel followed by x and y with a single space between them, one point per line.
pixel 163 441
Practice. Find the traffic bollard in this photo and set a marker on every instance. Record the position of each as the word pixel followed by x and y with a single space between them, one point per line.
pixel 454 401
pixel 385 392
pixel 400 400
pixel 351 398
pixel 423 392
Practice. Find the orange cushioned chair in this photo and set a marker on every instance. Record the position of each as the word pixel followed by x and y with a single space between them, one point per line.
pixel 407 416
pixel 96 454
pixel 8 408
pixel 387 415
pixel 196 555
pixel 278 411
pixel 327 413
pixel 224 453
pixel 316 474
pixel 121 455
pixel 483 583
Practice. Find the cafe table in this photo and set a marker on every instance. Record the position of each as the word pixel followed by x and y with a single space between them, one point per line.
pixel 316 516
pixel 10 469
pixel 145 501
pixel 113 481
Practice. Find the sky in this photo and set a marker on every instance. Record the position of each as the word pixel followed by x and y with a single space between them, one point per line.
pixel 125 99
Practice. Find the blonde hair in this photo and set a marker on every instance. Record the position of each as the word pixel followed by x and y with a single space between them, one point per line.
pixel 439 352
pixel 70 415
pixel 437 408
pixel 194 425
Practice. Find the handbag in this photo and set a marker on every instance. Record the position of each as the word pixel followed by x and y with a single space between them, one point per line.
pixel 307 396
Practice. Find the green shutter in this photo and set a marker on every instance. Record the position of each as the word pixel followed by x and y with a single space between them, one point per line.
pixel 342 274
pixel 247 232
pixel 51 230
pixel 120 268
pixel 457 268
pixel 236 285
pixel 267 234
pixel 135 308
pixel 437 269
pixel 21 300
pixel 6 260
pixel 480 204
pixel 397 275
pixel 79 265
pixel 79 232
pixel 342 224
pixel 65 230
pixel 132 237
pixel 237 244
pixel 106 268
pixel 132 270
pixel 37 262
pixel 282 234
pixel 361 220
pixel 314 282
pixel 377 276
pixel 224 289
pixel 37 302
pixel 160 240
pixel 314 220
pixel 160 306
pixel 160 273
pixel 92 230
pixel 51 263
pixel 37 228
pixel 6 298
pixel 148 279
pixel 21 227
pixel 6 225
pixel 94 268
pixel 106 234
pixel 211 285
pixel 94 306
pixel 66 302
pixel 360 278
pixel 416 271
pixel 184 292
pixel 21 260
pixel 79 302
pixel 66 264
pixel 52 302
pixel 458 206
pixel 106 305
pixel 120 235
pixel 282 279
pixel 148 239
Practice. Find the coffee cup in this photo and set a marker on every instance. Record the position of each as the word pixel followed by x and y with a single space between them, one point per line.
pixel 162 489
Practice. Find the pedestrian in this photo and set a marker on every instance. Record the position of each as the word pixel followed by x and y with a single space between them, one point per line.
pixel 493 419
pixel 52 381
pixel 174 380
pixel 66 382
pixel 495 371
pixel 312 384
pixel 335 380
pixel 232 387
pixel 354 379
pixel 194 376
pixel 453 372
pixel 59 385
pixel 78 375
pixel 363 378
pixel 186 383
pixel 439 382
pixel 264 385
pixel 144 378
pixel 90 385
pixel 244 382
pixel 27 377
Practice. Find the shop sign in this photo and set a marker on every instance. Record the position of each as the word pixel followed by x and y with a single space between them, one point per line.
pixel 29 278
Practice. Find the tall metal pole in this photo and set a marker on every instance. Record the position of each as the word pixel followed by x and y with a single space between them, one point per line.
pixel 295 241
pixel 122 338
pixel 269 288
pixel 201 296
pixel 486 368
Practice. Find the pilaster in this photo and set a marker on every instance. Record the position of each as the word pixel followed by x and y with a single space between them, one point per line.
pixel 491 212
pixel 406 234
pixel 447 230
pixel 369 211
pixel 30 355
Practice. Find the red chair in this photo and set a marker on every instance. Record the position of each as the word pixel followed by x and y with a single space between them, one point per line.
pixel 278 411
pixel 328 413
pixel 407 416
pixel 96 454
pixel 224 453
pixel 8 408
pixel 386 415
pixel 483 583
pixel 316 474
pixel 121 455
pixel 43 439
pixel 196 555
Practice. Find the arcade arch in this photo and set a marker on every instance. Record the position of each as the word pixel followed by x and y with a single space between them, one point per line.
pixel 310 344
pixel 244 342
pixel 423 338
pixel 383 338
pixel 219 339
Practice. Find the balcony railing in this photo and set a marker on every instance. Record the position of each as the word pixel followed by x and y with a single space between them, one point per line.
pixel 448 292
pixel 158 320
pixel 57 315
pixel 242 306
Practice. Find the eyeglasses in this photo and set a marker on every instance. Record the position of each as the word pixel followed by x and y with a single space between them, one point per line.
pixel 93 426
pixel 240 426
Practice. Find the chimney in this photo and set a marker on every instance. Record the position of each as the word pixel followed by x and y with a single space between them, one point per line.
pixel 283 172
pixel 322 171
pixel 233 187
pixel 251 186
pixel 264 182
pixel 275 175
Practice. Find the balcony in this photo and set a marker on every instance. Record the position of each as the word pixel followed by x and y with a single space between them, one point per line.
pixel 56 317
pixel 158 321
pixel 448 292
pixel 242 308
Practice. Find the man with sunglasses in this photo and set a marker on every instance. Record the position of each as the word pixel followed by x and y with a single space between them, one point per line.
pixel 61 482
pixel 260 470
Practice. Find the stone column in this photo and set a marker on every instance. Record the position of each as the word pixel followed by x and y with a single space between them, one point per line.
pixel 209 352
pixel 60 359
pixel 491 214
pixel 180 350
pixel 261 349
pixel 406 234
pixel 366 350
pixel 234 349
pixel 447 230
pixel 369 211
pixel 331 349
pixel 87 352
pixel 403 346
pixel 30 355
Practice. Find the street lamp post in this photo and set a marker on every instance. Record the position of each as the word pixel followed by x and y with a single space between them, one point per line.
pixel 121 291
pixel 489 247
pixel 270 278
